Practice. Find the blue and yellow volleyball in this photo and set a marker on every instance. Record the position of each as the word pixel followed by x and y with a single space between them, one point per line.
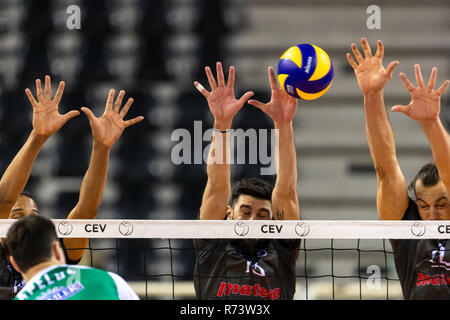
pixel 305 71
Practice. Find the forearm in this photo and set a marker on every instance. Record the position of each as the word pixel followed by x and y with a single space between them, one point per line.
pixel 218 188
pixel 93 184
pixel 18 172
pixel 286 160
pixel 440 146
pixel 379 133
pixel 284 197
pixel 218 166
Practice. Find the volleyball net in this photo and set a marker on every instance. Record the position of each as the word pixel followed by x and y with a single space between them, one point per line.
pixel 336 259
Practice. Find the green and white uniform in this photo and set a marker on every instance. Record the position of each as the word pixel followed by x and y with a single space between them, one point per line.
pixel 69 282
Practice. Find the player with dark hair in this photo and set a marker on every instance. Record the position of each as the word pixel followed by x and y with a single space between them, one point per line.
pixel 14 203
pixel 251 268
pixel 36 252
pixel 423 266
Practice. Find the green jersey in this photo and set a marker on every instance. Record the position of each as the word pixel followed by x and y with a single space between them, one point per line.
pixel 69 282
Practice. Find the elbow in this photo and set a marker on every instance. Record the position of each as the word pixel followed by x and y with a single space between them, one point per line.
pixel 380 171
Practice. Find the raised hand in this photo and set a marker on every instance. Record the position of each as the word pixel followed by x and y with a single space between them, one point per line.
pixel 281 107
pixel 221 100
pixel 46 117
pixel 425 102
pixel 108 128
pixel 369 70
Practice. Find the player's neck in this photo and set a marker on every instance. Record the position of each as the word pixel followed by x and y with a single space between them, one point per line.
pixel 36 269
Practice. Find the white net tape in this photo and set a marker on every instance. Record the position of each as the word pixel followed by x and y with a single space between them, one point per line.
pixel 216 229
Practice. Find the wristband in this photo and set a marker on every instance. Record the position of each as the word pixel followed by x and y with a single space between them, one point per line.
pixel 221 131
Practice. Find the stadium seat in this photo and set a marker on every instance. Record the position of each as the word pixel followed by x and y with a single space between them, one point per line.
pixel 74 98
pixel 136 199
pixel 38 19
pixel 16 113
pixel 142 105
pixel 152 60
pixel 251 117
pixel 95 18
pixel 211 20
pixel 134 158
pixel 153 20
pixel 65 202
pixel 95 61
pixel 192 106
pixel 73 157
pixel 36 62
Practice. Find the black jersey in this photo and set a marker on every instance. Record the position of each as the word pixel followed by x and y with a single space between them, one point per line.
pixel 423 266
pixel 226 269
pixel 10 278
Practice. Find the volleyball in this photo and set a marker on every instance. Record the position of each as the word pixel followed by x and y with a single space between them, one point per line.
pixel 305 71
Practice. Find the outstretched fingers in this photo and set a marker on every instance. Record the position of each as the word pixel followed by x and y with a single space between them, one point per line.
pixel 202 89
pixel 356 53
pixel 409 86
pixel 272 79
pixel 89 114
pixel 442 88
pixel 126 107
pixel 133 121
pixel 432 81
pixel 419 79
pixel 211 80
pixel 380 49
pixel 257 104
pixel 48 88
pixel 59 92
pixel 231 78
pixel 119 100
pixel 69 115
pixel 400 108
pixel 220 76
pixel 390 68
pixel 351 61
pixel 40 95
pixel 366 48
pixel 31 98
pixel 245 97
pixel 109 102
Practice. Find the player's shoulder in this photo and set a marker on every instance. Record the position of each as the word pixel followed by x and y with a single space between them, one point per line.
pixel 85 270
pixel 412 211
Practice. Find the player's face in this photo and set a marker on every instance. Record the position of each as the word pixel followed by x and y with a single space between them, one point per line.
pixel 24 207
pixel 250 208
pixel 433 202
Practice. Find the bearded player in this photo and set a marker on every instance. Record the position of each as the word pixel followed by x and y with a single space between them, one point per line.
pixel 47 120
pixel 423 266
pixel 247 269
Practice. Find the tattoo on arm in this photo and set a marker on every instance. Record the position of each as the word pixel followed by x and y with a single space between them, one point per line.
pixel 279 214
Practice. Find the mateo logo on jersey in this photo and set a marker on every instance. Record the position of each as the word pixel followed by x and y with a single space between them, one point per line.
pixel 256 290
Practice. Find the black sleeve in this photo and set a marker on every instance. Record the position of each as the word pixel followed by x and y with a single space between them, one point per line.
pixel 292 246
pixel 68 260
pixel 206 248
pixel 411 213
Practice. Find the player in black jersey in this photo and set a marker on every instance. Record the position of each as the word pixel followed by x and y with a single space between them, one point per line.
pixel 250 269
pixel 423 266
pixel 47 120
